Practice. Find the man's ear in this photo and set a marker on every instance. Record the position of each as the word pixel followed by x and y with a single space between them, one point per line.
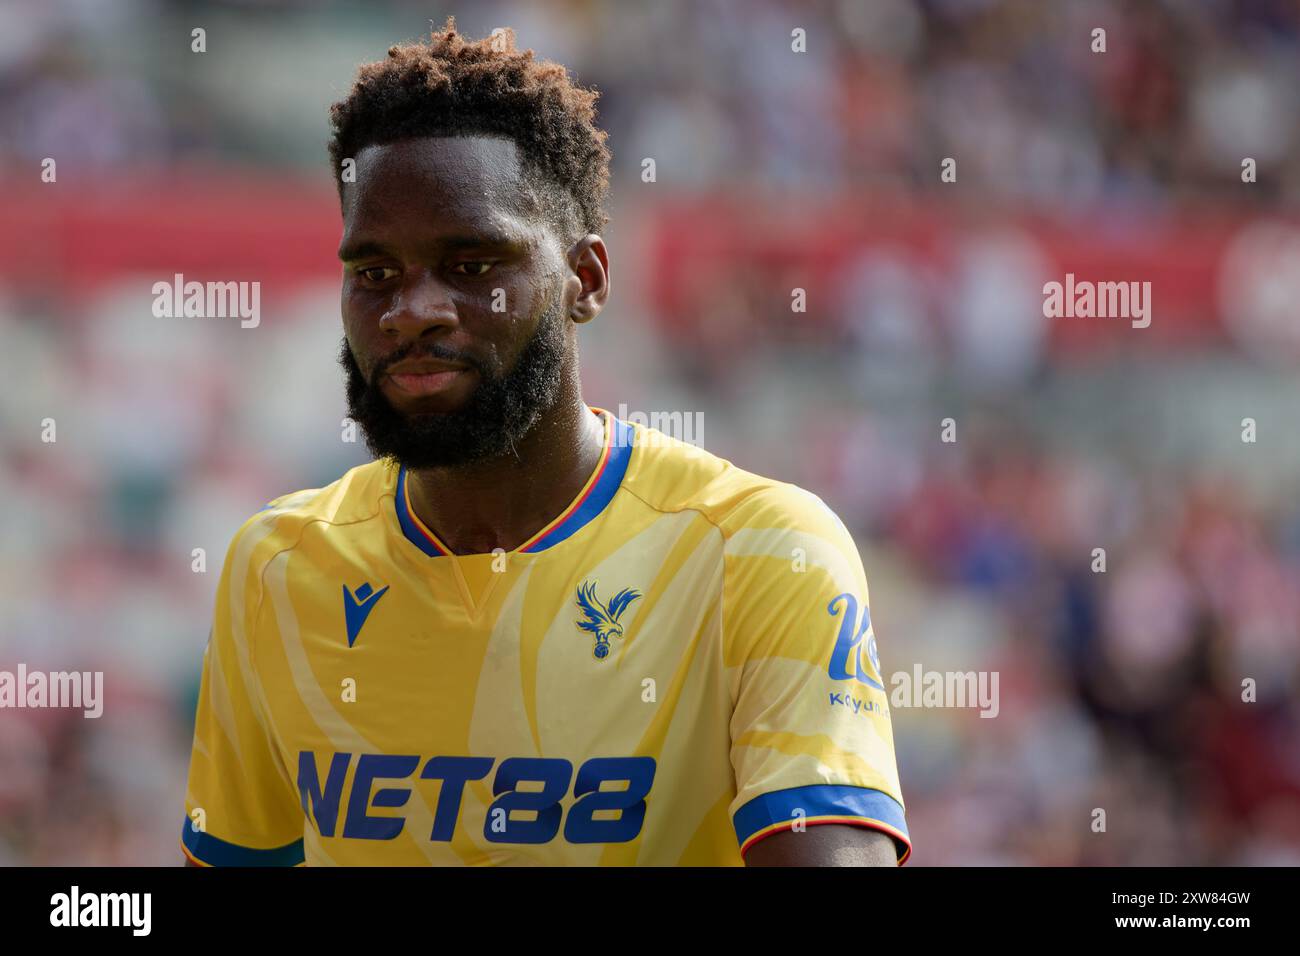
pixel 589 265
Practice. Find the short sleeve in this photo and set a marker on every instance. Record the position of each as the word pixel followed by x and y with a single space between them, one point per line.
pixel 241 806
pixel 811 736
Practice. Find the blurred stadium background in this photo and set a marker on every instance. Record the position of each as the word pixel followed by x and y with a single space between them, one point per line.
pixel 1118 690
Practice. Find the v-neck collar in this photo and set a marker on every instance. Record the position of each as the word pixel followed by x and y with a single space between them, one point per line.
pixel 591 500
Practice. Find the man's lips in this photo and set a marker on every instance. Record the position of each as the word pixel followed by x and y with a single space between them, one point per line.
pixel 423 377
pixel 424 384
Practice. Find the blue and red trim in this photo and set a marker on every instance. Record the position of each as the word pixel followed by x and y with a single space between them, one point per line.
pixel 594 497
pixel 207 850
pixel 598 493
pixel 413 527
pixel 773 812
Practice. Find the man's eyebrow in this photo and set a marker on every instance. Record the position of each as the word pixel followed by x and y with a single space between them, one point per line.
pixel 486 239
pixel 351 251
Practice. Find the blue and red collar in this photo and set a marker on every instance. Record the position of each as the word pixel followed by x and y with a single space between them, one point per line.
pixel 594 497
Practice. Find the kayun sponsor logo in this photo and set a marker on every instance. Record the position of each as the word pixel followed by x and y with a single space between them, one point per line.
pixel 102 909
pixel 530 792
pixel 858 705
pixel 208 300
pixel 54 689
pixel 847 657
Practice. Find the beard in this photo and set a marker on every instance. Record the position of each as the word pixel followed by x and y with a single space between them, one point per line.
pixel 503 408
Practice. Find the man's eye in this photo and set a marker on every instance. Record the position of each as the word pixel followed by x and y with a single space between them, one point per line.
pixel 376 273
pixel 472 268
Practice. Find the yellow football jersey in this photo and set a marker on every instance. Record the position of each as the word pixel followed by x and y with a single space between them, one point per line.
pixel 678 665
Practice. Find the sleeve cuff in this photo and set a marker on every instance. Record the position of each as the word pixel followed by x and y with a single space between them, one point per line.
pixel 207 850
pixel 773 812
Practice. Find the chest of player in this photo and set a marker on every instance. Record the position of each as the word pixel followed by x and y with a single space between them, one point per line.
pixel 549 691
pixel 540 659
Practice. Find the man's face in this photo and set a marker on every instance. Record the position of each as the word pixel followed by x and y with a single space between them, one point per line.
pixel 456 331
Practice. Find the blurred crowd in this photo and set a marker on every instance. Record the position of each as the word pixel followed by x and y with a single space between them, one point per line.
pixel 1161 687
pixel 1013 89
pixel 1146 629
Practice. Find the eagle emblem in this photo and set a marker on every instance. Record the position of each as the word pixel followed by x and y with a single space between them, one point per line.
pixel 602 619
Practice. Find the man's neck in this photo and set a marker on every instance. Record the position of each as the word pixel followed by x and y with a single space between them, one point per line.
pixel 502 502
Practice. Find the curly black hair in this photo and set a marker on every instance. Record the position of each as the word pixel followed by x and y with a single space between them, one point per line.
pixel 452 86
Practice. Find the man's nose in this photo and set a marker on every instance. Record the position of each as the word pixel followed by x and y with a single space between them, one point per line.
pixel 421 303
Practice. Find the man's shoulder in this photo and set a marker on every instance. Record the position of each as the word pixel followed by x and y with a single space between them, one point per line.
pixel 353 497
pixel 671 475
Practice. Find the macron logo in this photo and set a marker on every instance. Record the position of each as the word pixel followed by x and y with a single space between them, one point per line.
pixel 357 607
